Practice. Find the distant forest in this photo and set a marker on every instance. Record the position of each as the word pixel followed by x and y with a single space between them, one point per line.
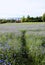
pixel 24 19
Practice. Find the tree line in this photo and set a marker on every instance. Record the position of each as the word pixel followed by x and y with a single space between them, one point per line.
pixel 24 19
pixel 33 19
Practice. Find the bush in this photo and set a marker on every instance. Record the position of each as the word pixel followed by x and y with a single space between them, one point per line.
pixel 43 17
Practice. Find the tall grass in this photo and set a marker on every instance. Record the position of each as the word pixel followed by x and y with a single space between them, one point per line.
pixel 35 45
pixel 23 49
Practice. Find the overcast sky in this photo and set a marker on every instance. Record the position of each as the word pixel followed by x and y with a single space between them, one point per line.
pixel 18 8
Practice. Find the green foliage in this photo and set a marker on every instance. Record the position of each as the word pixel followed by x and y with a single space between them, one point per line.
pixel 23 19
pixel 35 49
pixel 43 17
pixel 7 21
pixel 28 19
pixel 31 19
pixel 25 49
pixel 3 21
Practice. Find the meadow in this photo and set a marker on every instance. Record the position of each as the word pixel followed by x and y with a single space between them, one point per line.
pixel 22 44
pixel 15 27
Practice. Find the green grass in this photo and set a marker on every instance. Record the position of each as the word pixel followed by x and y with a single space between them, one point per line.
pixel 25 49
pixel 13 27
pixel 35 48
pixel 23 23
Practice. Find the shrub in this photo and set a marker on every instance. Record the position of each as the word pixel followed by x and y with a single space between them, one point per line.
pixel 43 17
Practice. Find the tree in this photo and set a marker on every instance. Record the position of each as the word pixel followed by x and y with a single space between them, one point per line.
pixel 28 19
pixel 43 17
pixel 23 19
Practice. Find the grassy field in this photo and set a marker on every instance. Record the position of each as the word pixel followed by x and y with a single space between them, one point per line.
pixel 22 44
pixel 15 27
